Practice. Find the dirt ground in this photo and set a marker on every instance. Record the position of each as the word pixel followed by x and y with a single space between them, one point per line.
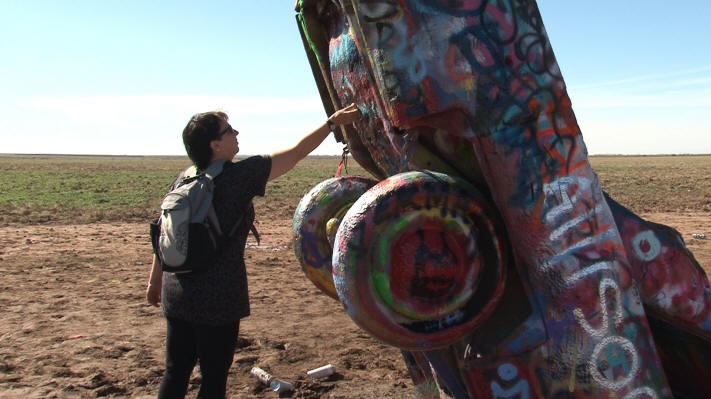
pixel 75 323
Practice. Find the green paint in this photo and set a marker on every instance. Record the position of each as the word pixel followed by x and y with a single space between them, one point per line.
pixel 309 40
pixel 324 200
pixel 383 250
pixel 451 224
pixel 382 287
pixel 342 210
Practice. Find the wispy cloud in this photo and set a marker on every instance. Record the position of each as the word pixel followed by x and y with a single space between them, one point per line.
pixel 105 108
pixel 687 89
pixel 663 99
pixel 656 78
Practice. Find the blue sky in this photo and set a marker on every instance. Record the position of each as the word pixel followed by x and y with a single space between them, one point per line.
pixel 123 77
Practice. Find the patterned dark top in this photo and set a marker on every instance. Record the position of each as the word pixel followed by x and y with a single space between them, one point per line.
pixel 218 295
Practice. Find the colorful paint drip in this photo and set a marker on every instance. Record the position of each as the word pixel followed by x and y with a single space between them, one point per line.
pixel 489 246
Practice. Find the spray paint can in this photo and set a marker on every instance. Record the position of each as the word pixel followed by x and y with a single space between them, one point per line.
pixel 263 377
pixel 323 371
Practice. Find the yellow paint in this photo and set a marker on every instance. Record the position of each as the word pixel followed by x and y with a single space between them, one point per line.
pixel 571 383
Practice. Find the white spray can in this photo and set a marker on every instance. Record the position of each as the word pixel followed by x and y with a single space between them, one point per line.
pixel 323 371
pixel 263 377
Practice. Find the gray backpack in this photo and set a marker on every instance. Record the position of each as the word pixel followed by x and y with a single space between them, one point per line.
pixel 187 236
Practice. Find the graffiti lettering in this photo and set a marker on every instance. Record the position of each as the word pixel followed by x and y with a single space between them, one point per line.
pixel 628 349
pixel 613 351
pixel 560 196
pixel 604 325
pixel 573 223
pixel 559 189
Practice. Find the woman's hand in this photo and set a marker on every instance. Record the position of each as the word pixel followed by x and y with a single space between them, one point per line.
pixel 345 115
pixel 153 294
pixel 284 160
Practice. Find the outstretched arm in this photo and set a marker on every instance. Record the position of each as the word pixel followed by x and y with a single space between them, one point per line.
pixel 284 160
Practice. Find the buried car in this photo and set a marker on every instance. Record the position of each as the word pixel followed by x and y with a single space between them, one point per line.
pixel 485 244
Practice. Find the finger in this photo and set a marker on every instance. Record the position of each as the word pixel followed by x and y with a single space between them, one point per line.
pixel 347 108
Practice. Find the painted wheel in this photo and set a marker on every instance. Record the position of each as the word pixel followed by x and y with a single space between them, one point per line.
pixel 419 260
pixel 316 216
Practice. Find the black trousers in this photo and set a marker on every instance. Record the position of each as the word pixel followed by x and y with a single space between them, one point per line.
pixel 186 343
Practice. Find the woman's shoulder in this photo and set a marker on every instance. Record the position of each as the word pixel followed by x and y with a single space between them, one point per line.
pixel 251 161
pixel 253 170
pixel 255 164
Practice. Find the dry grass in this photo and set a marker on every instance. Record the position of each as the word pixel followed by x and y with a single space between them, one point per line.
pixel 657 183
pixel 82 189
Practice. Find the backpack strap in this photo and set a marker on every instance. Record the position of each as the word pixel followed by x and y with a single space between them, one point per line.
pixel 189 172
pixel 214 221
pixel 211 172
pixel 215 169
pixel 254 231
pixel 252 228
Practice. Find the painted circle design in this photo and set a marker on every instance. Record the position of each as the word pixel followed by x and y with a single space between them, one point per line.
pixel 419 260
pixel 315 215
pixel 628 348
pixel 445 265
pixel 507 371
pixel 646 245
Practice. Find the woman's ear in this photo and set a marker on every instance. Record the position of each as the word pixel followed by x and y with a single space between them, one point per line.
pixel 215 147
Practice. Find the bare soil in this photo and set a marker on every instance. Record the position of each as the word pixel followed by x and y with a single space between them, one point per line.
pixel 75 324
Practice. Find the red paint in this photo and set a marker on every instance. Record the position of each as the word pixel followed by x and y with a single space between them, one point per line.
pixel 428 268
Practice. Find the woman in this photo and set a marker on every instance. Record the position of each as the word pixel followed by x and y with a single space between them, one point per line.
pixel 203 310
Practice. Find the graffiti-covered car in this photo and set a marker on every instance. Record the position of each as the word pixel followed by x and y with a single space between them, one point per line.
pixel 485 244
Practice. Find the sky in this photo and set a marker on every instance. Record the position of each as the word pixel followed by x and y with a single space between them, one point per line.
pixel 122 77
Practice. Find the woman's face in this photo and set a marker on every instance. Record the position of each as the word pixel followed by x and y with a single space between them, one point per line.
pixel 226 145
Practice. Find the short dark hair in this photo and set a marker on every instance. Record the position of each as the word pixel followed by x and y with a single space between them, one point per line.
pixel 197 135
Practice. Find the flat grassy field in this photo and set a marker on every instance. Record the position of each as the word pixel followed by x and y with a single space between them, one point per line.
pixel 82 189
pixel 647 184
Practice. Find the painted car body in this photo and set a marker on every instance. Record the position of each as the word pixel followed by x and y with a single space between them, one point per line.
pixel 471 89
